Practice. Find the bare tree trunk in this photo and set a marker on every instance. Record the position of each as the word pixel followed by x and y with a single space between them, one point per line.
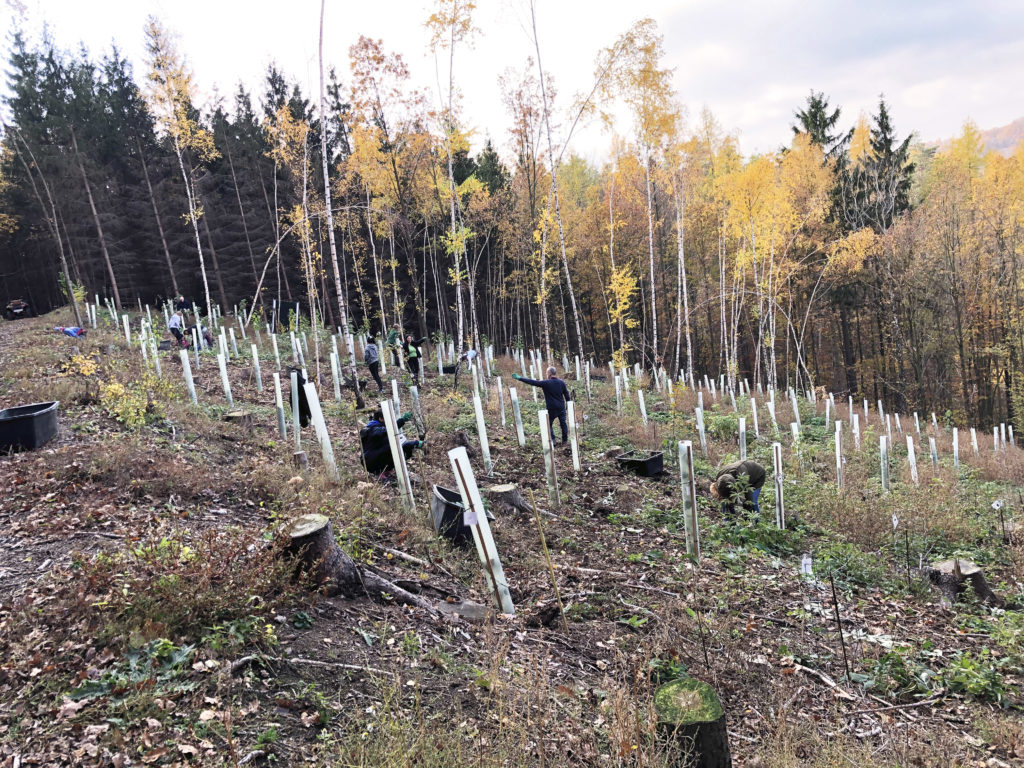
pixel 650 249
pixel 96 220
pixel 241 212
pixel 554 187
pixel 51 217
pixel 193 216
pixel 159 224
pixel 215 265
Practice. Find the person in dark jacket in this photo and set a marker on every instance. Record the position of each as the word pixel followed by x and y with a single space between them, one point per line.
pixel 371 356
pixel 414 357
pixel 373 438
pixel 739 482
pixel 556 395
pixel 394 342
pixel 305 415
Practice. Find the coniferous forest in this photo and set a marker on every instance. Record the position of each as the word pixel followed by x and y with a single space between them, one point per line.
pixel 852 258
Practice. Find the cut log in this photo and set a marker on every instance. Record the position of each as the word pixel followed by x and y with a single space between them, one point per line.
pixel 615 450
pixel 691 718
pixel 241 418
pixel 951 578
pixel 310 540
pixel 509 496
pixel 461 438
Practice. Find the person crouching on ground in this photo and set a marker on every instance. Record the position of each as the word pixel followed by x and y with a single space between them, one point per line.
pixel 556 395
pixel 373 437
pixel 739 482
pixel 371 356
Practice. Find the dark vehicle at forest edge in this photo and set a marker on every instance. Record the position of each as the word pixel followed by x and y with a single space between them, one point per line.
pixel 17 308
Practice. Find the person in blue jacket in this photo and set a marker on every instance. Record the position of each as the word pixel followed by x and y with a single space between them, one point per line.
pixel 556 395
pixel 376 450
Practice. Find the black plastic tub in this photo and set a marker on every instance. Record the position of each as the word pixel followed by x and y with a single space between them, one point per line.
pixel 446 509
pixel 27 427
pixel 644 463
pixel 449 369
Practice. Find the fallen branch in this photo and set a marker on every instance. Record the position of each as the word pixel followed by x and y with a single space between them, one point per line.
pixel 331 664
pixel 256 753
pixel 889 708
pixel 827 681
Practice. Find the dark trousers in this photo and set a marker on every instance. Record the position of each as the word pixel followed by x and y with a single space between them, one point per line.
pixel 414 368
pixel 375 372
pixel 560 417
pixel 176 332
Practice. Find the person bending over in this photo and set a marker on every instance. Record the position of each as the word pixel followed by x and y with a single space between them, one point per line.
pixel 373 437
pixel 174 326
pixel 739 482
pixel 556 395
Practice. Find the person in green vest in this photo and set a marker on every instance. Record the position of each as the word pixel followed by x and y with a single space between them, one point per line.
pixel 414 357
pixel 393 343
pixel 739 482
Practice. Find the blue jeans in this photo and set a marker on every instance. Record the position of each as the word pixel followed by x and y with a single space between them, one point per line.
pixel 755 493
pixel 560 416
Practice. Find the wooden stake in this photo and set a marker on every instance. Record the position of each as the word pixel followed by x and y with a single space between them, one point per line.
pixel 547 556
pixel 839 623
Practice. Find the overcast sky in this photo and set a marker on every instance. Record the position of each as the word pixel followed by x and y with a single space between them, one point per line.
pixel 753 62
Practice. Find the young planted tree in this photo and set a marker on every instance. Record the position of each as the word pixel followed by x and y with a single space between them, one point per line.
pixel 170 96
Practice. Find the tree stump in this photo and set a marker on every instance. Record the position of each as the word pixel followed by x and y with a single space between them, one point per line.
pixel 300 461
pixel 508 495
pixel 461 438
pixel 690 714
pixel 241 418
pixel 311 542
pixel 951 578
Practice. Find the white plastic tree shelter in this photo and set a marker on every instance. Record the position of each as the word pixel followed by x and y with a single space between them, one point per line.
pixel 974 440
pixel 995 439
pixel 643 405
pixel 700 431
pixel 335 376
pixel 867 420
pixel 127 329
pixel 394 396
pixel 839 454
pixel 224 379
pixel 320 426
pixel 570 414
pixel 1002 436
pixel 296 424
pixel 883 455
pixel 234 343
pixel 780 504
pixel 743 438
pixel 688 487
pixel 933 448
pixel 549 458
pixel 475 517
pixel 279 401
pixel 856 431
pixel 517 416
pixel 796 409
pixel 481 431
pixel 501 402
pixel 186 371
pixel 888 427
pixel 397 455
pixel 956 448
pixel 618 396
pixel 256 368
pixel 753 415
pixel 912 459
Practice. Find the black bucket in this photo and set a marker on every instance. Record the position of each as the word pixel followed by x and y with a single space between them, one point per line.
pixel 27 427
pixel 644 463
pixel 446 510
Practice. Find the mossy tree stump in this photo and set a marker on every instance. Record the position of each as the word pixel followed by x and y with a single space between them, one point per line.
pixel 690 715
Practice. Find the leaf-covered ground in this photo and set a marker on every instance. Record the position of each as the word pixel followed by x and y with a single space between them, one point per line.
pixel 148 617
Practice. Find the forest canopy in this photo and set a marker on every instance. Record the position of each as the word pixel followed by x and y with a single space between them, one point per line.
pixel 854 257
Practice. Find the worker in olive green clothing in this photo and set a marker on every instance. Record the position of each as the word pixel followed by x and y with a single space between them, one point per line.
pixel 414 357
pixel 394 341
pixel 739 482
